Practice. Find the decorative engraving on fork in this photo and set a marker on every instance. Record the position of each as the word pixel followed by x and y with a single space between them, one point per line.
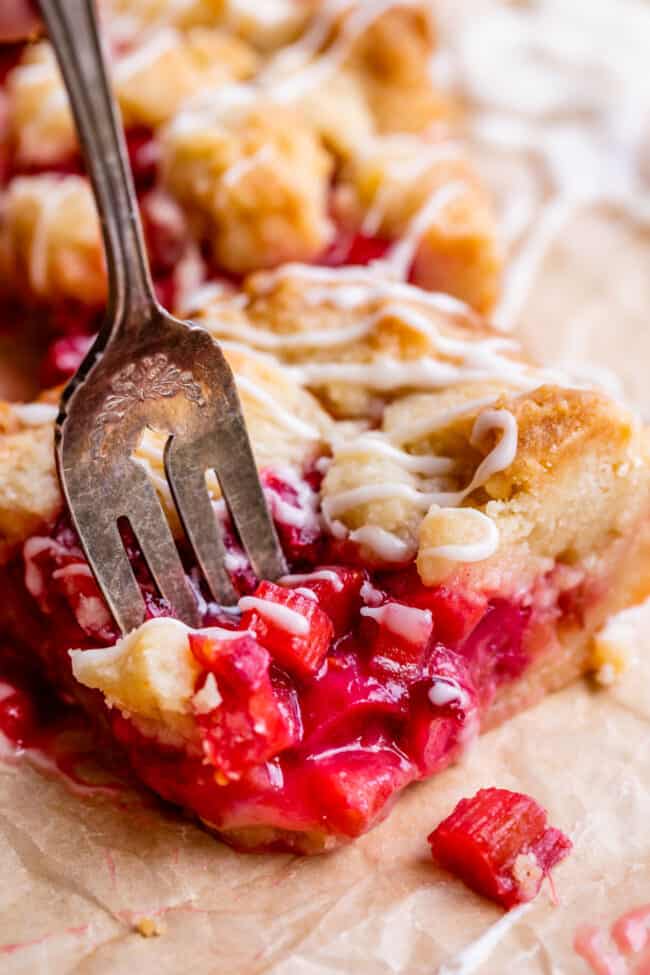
pixel 153 377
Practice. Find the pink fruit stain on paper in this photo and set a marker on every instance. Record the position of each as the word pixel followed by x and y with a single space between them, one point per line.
pixel 11 949
pixel 628 955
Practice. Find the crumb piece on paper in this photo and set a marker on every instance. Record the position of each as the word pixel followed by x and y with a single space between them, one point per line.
pixel 618 644
pixel 148 927
pixel 528 875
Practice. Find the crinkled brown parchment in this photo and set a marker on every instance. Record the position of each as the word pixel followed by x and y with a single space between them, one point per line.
pixel 79 872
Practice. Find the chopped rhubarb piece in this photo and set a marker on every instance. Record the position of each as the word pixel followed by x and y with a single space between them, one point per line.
pixel 455 614
pixel 244 717
pixel 165 231
pixel 399 638
pixel 443 715
pixel 357 249
pixel 352 787
pixel 498 843
pixel 495 650
pixel 293 503
pixel 290 625
pixel 338 591
pixel 342 699
pixel 144 154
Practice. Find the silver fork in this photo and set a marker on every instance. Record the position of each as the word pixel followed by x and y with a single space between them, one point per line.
pixel 146 369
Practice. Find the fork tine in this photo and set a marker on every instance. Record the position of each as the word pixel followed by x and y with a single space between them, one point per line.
pixel 231 456
pixel 188 487
pixel 110 565
pixel 154 536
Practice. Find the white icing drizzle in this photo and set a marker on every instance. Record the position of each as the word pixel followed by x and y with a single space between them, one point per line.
pixel 467 551
pixel 342 501
pixel 266 339
pixel 307 593
pixel 391 547
pixel 499 458
pixel 427 426
pixel 419 156
pixel 235 561
pixel 301 513
pixel 287 619
pixel 288 513
pixel 386 545
pixel 400 257
pixel 370 595
pixel 204 293
pixel 503 454
pixel 372 443
pixel 352 287
pixel 220 633
pixel 446 690
pixel 32 548
pixel 235 173
pixel 477 360
pixel 327 575
pixel 208 698
pixel 415 625
pixel 279 413
pixel 387 374
pixel 145 55
pixel 522 272
pixel 294 71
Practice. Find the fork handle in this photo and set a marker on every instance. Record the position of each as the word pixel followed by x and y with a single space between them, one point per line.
pixel 74 32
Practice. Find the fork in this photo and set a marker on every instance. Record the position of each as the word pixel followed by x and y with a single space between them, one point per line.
pixel 145 370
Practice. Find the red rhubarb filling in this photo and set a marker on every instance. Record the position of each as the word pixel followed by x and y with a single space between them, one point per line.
pixel 323 697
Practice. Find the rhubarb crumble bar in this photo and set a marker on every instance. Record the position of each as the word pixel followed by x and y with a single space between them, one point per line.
pixel 309 131
pixel 458 523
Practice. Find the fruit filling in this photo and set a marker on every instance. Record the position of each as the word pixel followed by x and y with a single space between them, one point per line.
pixel 499 844
pixel 307 708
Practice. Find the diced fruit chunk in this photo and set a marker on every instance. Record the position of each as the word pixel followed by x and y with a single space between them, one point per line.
pixel 399 638
pixel 343 700
pixel 443 715
pixel 338 590
pixel 355 249
pixel 245 718
pixel 293 506
pixel 496 649
pixel 455 614
pixel 290 625
pixel 499 844
pixel 352 787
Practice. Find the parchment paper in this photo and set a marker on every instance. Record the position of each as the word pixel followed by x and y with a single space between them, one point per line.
pixel 79 871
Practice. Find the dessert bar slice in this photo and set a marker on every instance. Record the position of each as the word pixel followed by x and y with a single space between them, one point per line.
pixel 312 133
pixel 458 524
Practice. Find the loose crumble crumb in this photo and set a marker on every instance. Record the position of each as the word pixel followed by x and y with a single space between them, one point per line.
pixel 147 927
pixel 619 643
